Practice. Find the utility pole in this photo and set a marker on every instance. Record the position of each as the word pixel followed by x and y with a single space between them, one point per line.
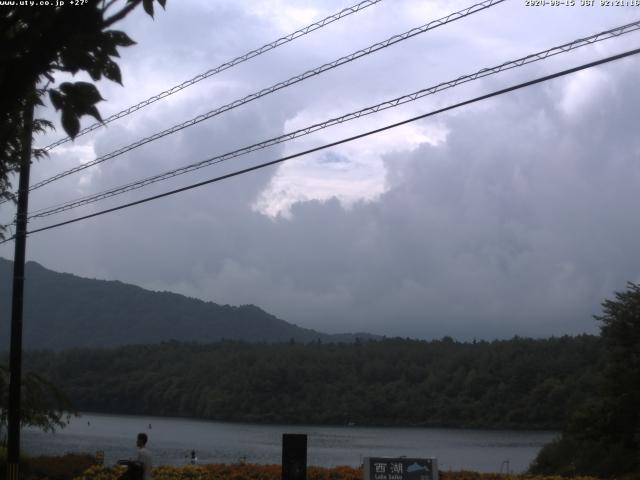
pixel 15 355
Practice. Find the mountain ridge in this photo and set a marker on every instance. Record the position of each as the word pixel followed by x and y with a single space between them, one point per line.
pixel 63 310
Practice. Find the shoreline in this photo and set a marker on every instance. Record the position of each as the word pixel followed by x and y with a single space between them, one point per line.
pixel 506 429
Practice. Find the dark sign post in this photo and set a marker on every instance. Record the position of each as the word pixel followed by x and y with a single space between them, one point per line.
pixel 402 468
pixel 294 456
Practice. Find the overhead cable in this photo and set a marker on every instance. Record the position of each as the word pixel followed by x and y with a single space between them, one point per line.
pixel 222 67
pixel 278 86
pixel 567 47
pixel 339 142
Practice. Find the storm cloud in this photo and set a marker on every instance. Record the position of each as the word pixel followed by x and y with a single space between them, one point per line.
pixel 514 216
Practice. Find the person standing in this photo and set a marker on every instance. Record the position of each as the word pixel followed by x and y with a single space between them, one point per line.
pixel 144 456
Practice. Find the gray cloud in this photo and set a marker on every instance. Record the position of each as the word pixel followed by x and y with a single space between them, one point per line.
pixel 519 221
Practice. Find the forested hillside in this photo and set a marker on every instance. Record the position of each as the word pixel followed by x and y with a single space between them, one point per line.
pixel 65 311
pixel 518 383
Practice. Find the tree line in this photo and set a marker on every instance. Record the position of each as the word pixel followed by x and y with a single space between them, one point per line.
pixel 602 436
pixel 517 383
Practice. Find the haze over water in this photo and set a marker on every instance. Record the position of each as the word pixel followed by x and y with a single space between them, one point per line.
pixel 172 439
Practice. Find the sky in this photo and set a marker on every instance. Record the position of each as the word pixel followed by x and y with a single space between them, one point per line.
pixel 516 215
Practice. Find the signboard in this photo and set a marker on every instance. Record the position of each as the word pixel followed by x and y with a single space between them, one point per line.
pixel 401 468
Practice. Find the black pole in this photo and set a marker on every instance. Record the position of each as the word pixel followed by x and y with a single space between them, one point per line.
pixel 294 456
pixel 15 356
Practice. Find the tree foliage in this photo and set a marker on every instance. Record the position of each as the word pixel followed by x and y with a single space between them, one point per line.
pixel 603 436
pixel 38 42
pixel 43 404
pixel 518 383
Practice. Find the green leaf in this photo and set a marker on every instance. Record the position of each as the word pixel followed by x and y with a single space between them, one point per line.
pixel 56 99
pixel 111 71
pixel 78 99
pixel 94 72
pixel 39 153
pixel 40 125
pixel 87 92
pixel 75 57
pixel 93 111
pixel 108 46
pixel 70 123
pixel 66 88
pixel 80 93
pixel 148 7
pixel 121 39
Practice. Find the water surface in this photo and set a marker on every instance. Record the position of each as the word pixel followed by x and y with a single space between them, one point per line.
pixel 172 439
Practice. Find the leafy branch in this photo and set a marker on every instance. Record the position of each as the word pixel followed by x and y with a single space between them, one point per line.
pixel 37 44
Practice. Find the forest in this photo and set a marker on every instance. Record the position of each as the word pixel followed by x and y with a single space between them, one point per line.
pixel 518 383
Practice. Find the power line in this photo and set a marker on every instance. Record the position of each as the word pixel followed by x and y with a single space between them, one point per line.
pixel 345 140
pixel 222 67
pixel 278 86
pixel 567 47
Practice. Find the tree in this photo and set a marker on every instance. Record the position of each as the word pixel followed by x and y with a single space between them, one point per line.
pixel 603 437
pixel 44 405
pixel 37 42
pixel 621 334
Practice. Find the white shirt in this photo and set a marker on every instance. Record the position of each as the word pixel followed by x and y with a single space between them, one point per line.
pixel 144 457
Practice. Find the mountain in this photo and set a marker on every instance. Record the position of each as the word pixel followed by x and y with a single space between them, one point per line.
pixel 65 311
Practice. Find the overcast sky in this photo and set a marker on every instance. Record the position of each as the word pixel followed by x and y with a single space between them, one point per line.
pixel 517 215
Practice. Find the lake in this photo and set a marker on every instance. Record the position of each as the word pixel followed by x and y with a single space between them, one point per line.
pixel 172 439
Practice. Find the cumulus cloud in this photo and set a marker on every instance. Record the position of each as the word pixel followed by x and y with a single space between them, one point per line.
pixel 350 172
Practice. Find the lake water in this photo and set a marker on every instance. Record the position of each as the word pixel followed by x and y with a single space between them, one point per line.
pixel 171 440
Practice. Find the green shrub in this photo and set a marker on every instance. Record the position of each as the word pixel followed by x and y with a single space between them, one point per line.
pixel 65 467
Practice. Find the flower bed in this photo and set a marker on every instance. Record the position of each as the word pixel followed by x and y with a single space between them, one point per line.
pixel 273 472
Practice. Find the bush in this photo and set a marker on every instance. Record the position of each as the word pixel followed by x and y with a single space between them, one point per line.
pixel 66 467
pixel 570 456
